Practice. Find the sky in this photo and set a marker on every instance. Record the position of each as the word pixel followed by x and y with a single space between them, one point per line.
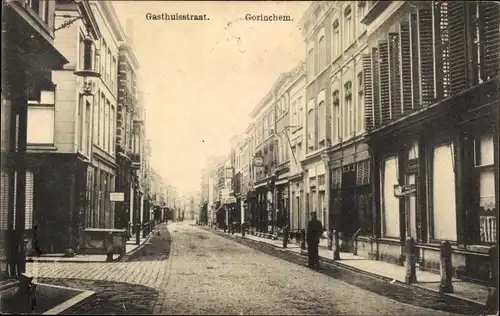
pixel 201 79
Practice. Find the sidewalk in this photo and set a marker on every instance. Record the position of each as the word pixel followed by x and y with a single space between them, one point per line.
pixel 130 246
pixel 468 291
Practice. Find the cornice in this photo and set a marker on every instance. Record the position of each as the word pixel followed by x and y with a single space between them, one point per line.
pixel 114 23
pixel 262 104
pixel 129 50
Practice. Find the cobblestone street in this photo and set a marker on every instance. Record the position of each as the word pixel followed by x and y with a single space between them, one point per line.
pixel 208 274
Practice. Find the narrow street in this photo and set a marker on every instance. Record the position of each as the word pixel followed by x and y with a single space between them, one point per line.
pixel 209 274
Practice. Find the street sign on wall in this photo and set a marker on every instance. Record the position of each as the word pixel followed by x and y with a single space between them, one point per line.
pixel 117 196
pixel 404 190
pixel 230 199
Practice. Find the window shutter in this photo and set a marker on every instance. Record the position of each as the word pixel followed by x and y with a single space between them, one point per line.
pixel 376 87
pixel 415 61
pixel 363 173
pixel 405 69
pixel 336 178
pixel 492 38
pixel 458 53
pixel 14 196
pixel 385 110
pixel 425 29
pixel 441 45
pixel 394 76
pixel 29 200
pixel 368 90
pixel 4 196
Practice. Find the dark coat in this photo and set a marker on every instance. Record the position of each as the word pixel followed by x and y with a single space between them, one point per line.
pixel 314 231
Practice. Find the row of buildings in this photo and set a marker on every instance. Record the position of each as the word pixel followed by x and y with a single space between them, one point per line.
pixel 73 148
pixel 388 130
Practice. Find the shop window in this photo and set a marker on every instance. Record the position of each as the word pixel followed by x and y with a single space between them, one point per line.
pixel 443 193
pixel 390 204
pixel 413 151
pixel 484 164
pixel 41 114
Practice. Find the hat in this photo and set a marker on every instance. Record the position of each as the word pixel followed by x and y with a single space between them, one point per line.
pixel 313 213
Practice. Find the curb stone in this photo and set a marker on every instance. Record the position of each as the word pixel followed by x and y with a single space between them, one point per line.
pixel 347 267
pixel 128 255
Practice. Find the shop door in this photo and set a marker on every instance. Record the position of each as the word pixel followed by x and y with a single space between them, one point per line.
pixel 348 209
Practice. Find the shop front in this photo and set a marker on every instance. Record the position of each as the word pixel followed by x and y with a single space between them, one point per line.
pixel 437 173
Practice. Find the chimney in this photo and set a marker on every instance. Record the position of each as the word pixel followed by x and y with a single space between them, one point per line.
pixel 129 30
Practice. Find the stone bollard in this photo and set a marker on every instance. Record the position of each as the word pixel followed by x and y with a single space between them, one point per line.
pixel 109 247
pixel 411 274
pixel 445 268
pixel 303 239
pixel 492 300
pixel 285 237
pixel 330 240
pixel 336 245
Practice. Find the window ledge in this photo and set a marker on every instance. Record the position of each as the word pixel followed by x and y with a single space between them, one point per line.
pixel 349 47
pixel 41 147
pixel 334 60
pixel 318 75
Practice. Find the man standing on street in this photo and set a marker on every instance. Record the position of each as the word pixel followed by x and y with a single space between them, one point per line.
pixel 314 231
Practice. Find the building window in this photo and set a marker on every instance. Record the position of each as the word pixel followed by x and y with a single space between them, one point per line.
pixel 108 67
pixel 478 35
pixel 294 115
pixel 271 123
pixel 113 76
pixel 301 112
pixel 102 105
pixel 110 124
pixel 310 129
pixel 96 117
pixel 443 193
pixel 266 128
pixel 485 169
pixel 361 15
pixel 361 104
pixel 88 128
pixel 311 71
pixel 80 128
pixel 337 128
pixel 348 27
pixel 336 42
pixel 103 60
pixel 322 52
pixel 348 110
pixel 390 204
pixel 113 130
pixel 321 120
pixel 41 114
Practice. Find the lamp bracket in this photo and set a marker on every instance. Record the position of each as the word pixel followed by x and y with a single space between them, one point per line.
pixel 68 22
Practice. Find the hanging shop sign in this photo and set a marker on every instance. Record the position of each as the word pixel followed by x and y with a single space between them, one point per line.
pixel 404 190
pixel 116 197
pixel 258 161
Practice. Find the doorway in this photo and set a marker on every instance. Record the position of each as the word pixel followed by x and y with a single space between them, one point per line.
pixel 348 204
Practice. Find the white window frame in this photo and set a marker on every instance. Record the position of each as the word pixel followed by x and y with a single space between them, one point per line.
pixel 348 26
pixel 336 39
pixel 43 104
